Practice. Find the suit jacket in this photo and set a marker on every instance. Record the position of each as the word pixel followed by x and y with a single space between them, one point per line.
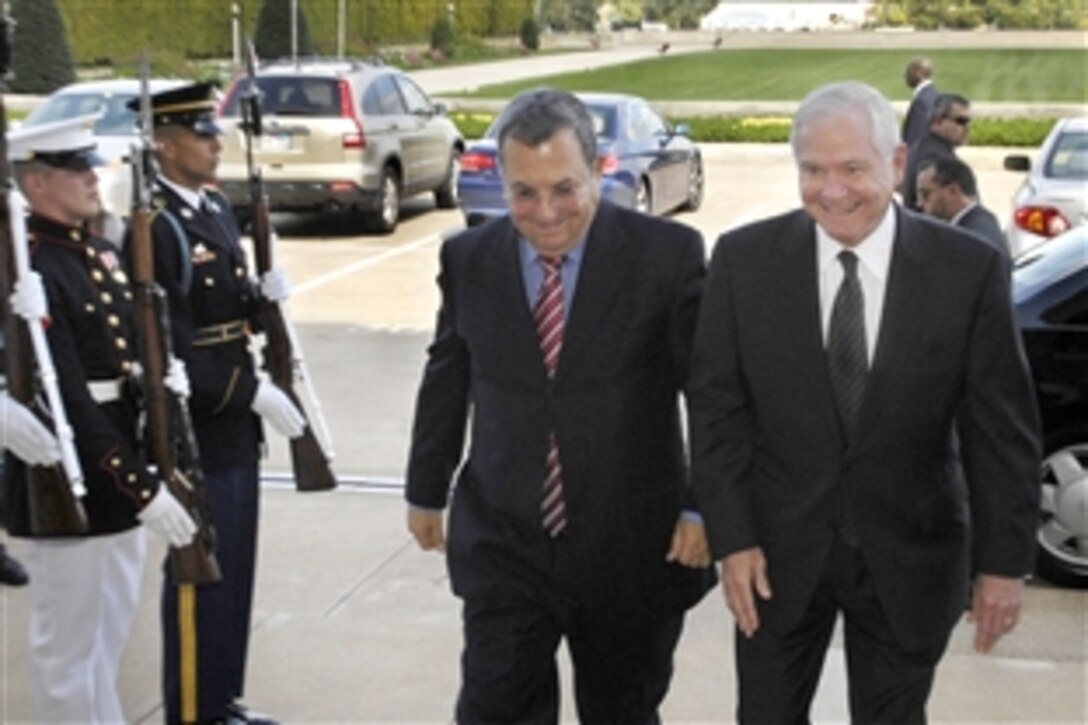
pixel 930 146
pixel 919 112
pixel 91 332
pixel 202 267
pixel 613 406
pixel 770 465
pixel 982 222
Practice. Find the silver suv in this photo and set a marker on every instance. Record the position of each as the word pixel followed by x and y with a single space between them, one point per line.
pixel 341 135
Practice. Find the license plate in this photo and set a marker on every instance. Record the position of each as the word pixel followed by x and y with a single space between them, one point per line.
pixel 276 142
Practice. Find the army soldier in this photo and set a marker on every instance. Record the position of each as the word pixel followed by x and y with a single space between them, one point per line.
pixel 84 589
pixel 213 307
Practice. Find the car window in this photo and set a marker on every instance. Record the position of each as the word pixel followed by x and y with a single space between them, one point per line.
pixel 116 119
pixel 300 96
pixel 1069 159
pixel 604 120
pixel 646 123
pixel 415 99
pixel 382 98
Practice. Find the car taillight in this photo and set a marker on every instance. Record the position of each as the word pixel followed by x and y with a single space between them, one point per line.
pixel 1046 221
pixel 354 139
pixel 474 162
pixel 610 164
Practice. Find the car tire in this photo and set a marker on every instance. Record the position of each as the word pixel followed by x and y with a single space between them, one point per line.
pixel 445 196
pixel 644 200
pixel 1064 478
pixel 384 219
pixel 696 184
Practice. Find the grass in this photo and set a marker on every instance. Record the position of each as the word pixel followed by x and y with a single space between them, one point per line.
pixel 1025 75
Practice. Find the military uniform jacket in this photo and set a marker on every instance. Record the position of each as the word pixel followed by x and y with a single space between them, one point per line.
pixel 202 267
pixel 92 337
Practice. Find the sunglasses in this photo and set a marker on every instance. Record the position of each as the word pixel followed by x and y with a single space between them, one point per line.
pixel 961 120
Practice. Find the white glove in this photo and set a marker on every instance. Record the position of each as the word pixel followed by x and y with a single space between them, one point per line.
pixel 168 519
pixel 273 405
pixel 28 297
pixel 24 434
pixel 275 286
pixel 176 379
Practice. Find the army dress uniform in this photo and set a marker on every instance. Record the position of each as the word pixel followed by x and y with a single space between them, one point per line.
pixel 85 589
pixel 214 306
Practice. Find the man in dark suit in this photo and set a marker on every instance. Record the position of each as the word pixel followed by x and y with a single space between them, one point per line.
pixel 864 431
pixel 947 190
pixel 949 129
pixel 919 78
pixel 571 516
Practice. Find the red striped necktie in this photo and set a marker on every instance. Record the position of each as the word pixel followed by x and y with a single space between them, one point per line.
pixel 549 315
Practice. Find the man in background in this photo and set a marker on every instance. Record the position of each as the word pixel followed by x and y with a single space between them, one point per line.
pixel 919 78
pixel 947 191
pixel 949 128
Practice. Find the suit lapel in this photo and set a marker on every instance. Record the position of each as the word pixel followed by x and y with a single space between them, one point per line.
pixel 798 316
pixel 605 263
pixel 906 295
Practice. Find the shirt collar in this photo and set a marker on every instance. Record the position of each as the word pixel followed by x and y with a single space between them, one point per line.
pixel 529 254
pixel 918 88
pixel 874 252
pixel 190 197
pixel 962 213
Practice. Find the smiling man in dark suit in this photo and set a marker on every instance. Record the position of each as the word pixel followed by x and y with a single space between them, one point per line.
pixel 864 430
pixel 564 336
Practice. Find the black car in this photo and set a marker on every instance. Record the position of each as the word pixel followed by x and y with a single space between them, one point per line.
pixel 1050 291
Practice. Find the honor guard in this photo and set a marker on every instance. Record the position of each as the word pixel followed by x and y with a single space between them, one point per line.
pixel 85 588
pixel 213 308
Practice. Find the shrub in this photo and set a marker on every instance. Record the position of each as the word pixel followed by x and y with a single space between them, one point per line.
pixel 40 67
pixel 530 34
pixel 273 36
pixel 443 38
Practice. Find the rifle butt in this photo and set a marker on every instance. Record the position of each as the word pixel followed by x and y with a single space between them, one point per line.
pixel 195 563
pixel 54 509
pixel 311 467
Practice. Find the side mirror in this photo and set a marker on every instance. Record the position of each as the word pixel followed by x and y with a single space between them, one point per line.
pixel 1017 162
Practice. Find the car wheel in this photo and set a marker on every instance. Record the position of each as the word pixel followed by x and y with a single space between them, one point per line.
pixel 644 201
pixel 445 196
pixel 1062 536
pixel 384 219
pixel 696 183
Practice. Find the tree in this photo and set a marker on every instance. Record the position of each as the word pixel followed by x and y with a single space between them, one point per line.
pixel 273 36
pixel 41 57
pixel 530 34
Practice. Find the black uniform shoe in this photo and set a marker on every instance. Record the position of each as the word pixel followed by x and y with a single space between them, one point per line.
pixel 12 572
pixel 237 713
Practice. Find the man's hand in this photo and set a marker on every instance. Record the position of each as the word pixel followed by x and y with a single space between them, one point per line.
pixel 273 405
pixel 24 434
pixel 28 297
pixel 428 528
pixel 689 546
pixel 995 608
pixel 744 575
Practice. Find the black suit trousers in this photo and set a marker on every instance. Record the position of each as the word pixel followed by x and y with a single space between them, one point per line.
pixel 622 669
pixel 778 672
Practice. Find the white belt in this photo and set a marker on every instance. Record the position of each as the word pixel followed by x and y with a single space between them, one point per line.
pixel 105 391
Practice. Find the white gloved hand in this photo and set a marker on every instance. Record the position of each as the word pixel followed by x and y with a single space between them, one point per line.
pixel 28 297
pixel 273 405
pixel 176 379
pixel 168 519
pixel 24 434
pixel 275 286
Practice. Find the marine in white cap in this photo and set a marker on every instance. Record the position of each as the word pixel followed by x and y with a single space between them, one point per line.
pixel 84 589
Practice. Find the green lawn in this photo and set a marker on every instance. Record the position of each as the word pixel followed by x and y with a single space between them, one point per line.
pixel 1028 75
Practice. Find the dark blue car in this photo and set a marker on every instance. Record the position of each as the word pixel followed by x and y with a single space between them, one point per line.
pixel 649 164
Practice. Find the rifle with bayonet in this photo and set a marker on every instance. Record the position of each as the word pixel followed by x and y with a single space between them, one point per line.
pixel 311 453
pixel 53 492
pixel 169 428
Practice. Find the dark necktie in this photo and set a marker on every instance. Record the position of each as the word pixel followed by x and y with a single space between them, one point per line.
pixel 847 358
pixel 549 315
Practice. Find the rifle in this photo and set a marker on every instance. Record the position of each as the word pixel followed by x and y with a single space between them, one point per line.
pixel 312 452
pixel 53 492
pixel 169 427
